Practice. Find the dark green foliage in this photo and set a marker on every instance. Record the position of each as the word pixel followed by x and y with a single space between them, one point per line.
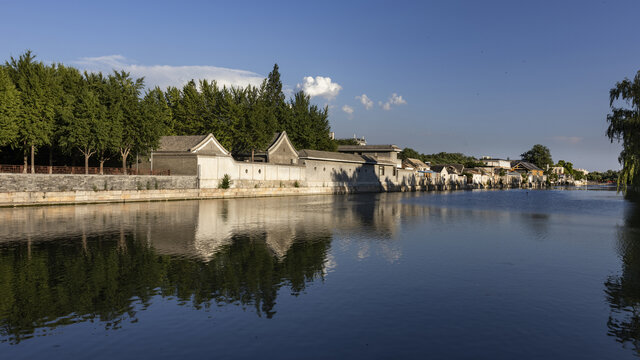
pixel 407 153
pixel 538 155
pixel 39 94
pixel 624 126
pixel 9 109
pixel 345 142
pixel 441 158
pixel 225 182
pixel 607 176
pixel 107 116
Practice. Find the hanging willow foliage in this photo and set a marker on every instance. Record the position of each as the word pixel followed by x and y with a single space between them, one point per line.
pixel 624 126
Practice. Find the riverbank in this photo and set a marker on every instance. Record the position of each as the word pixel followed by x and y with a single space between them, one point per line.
pixel 39 190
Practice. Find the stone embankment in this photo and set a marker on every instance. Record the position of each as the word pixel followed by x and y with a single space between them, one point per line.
pixel 30 189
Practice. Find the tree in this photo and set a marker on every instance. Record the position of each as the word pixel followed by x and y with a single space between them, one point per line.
pixel 9 110
pixel 37 86
pixel 276 117
pixel 624 126
pixel 409 153
pixel 127 100
pixel 110 128
pixel 154 120
pixel 538 155
pixel 86 126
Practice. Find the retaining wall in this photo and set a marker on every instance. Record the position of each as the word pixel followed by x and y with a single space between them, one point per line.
pixel 62 183
pixel 26 198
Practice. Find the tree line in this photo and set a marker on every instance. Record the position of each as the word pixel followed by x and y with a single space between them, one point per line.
pixel 441 158
pixel 104 116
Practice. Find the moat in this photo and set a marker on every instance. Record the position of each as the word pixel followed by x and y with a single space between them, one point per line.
pixel 524 274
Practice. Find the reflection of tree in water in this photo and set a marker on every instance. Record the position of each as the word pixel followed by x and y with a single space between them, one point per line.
pixel 623 292
pixel 57 283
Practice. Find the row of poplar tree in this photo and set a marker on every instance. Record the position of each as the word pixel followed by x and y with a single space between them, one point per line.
pixel 109 116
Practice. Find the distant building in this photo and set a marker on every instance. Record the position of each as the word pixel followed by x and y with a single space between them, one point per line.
pixel 526 167
pixel 583 171
pixel 415 164
pixel 385 153
pixel 497 163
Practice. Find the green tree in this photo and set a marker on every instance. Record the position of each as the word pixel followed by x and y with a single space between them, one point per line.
pixel 154 121
pixel 277 116
pixel 111 126
pixel 84 129
pixel 37 86
pixel 624 126
pixel 409 153
pixel 127 100
pixel 538 155
pixel 9 110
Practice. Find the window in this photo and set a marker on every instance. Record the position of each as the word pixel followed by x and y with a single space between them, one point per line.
pixel 381 170
pixel 259 171
pixel 246 171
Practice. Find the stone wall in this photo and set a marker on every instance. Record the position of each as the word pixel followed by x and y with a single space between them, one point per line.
pixel 60 183
pixel 26 198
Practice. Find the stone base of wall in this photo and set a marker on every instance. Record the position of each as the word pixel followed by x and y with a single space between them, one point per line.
pixel 93 183
pixel 29 198
pixel 184 188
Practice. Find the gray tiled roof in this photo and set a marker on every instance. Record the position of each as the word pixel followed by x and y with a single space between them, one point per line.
pixel 417 163
pixel 368 148
pixel 180 143
pixel 525 164
pixel 337 156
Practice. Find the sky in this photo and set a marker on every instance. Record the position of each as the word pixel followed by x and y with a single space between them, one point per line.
pixel 485 78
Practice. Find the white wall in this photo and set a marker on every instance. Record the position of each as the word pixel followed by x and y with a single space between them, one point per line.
pixel 213 168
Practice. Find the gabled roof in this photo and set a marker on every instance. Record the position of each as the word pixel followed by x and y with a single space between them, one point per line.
pixel 455 168
pixel 191 144
pixel 416 163
pixel 368 148
pixel 278 139
pixel 525 165
pixel 438 168
pixel 179 143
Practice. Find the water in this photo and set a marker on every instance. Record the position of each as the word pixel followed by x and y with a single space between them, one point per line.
pixel 462 275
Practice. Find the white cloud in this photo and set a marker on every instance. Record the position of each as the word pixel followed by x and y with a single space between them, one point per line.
pixel 348 109
pixel 320 86
pixel 395 99
pixel 167 75
pixel 365 101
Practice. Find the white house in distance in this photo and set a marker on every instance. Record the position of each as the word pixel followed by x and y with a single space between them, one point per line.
pixel 496 163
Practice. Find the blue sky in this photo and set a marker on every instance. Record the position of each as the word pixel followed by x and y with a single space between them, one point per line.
pixel 479 77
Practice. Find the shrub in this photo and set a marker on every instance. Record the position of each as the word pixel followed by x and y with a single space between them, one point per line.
pixel 225 182
pixel 296 184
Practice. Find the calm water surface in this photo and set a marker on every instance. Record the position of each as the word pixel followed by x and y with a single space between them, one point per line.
pixel 465 275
